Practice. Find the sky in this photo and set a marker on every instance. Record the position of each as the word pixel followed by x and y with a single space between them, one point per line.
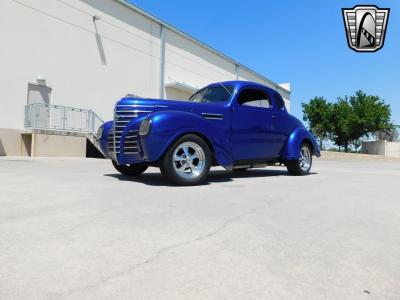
pixel 301 42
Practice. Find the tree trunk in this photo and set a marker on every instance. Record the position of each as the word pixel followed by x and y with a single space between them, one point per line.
pixel 346 147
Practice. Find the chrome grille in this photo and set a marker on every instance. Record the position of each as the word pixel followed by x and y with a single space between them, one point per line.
pixel 110 143
pixel 131 146
pixel 122 116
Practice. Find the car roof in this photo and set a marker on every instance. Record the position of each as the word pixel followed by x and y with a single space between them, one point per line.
pixel 241 83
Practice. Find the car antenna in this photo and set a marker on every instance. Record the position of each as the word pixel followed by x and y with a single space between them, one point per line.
pixel 225 88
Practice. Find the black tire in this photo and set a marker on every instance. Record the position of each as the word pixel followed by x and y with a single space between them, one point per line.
pixel 130 170
pixel 240 170
pixel 297 167
pixel 170 167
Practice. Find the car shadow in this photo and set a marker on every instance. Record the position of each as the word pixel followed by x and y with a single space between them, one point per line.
pixel 217 176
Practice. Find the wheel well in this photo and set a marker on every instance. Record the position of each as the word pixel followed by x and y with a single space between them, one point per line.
pixel 310 144
pixel 214 159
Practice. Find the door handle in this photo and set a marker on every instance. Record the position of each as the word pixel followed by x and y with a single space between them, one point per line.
pixel 274 116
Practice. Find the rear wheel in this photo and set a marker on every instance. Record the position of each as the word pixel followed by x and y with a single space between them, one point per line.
pixel 130 170
pixel 302 165
pixel 187 161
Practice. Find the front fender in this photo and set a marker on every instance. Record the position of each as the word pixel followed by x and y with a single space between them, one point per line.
pixel 296 138
pixel 103 139
pixel 167 126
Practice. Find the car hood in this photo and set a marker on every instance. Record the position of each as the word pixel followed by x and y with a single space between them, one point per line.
pixel 176 105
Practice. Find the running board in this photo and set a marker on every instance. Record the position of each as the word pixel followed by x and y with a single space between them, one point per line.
pixel 253 166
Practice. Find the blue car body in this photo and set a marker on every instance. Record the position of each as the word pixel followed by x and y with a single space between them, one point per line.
pixel 236 134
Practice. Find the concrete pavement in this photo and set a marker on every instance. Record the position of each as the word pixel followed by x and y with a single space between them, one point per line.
pixel 75 229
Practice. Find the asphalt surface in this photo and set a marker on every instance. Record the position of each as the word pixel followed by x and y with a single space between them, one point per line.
pixel 75 229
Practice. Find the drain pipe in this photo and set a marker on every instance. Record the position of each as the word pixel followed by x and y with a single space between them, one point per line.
pixel 162 61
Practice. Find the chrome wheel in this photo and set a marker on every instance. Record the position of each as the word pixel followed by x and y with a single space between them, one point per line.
pixel 189 160
pixel 305 158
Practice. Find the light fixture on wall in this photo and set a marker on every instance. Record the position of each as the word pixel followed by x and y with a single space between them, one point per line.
pixel 96 18
pixel 40 80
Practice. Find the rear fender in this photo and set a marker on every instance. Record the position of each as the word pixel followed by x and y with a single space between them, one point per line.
pixel 167 126
pixel 297 137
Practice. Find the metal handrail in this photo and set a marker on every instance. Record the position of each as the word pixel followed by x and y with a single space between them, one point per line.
pixel 62 118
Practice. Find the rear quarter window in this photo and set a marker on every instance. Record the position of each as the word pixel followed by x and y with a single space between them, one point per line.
pixel 280 104
pixel 255 98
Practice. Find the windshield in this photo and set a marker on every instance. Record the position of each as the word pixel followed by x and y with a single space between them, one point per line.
pixel 213 94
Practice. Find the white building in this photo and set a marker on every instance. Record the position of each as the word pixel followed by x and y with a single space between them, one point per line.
pixel 90 53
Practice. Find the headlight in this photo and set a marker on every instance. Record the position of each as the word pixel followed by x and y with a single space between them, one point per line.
pixel 99 133
pixel 145 127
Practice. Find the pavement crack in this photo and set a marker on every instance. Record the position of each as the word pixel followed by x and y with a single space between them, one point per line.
pixel 158 254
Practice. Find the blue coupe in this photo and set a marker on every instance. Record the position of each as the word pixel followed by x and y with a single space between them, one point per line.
pixel 236 124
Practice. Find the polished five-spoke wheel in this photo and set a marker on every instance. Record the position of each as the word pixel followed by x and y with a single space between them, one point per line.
pixel 305 158
pixel 302 165
pixel 187 161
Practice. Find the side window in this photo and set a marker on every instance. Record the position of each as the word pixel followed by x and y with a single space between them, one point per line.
pixel 279 101
pixel 255 98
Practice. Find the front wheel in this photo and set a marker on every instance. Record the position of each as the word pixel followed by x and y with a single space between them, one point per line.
pixel 130 170
pixel 302 165
pixel 187 161
pixel 240 170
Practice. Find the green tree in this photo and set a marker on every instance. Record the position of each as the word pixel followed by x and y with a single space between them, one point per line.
pixel 358 116
pixel 348 120
pixel 342 120
pixel 372 114
pixel 317 113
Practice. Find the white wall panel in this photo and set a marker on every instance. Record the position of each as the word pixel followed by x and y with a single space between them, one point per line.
pixel 92 64
pixel 193 64
pixel 85 68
